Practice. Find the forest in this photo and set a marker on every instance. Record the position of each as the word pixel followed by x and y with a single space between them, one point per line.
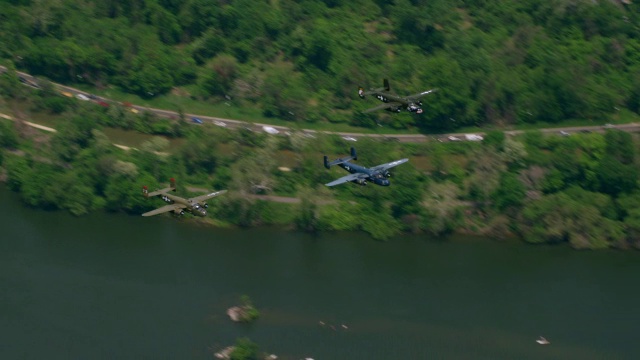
pixel 580 190
pixel 496 64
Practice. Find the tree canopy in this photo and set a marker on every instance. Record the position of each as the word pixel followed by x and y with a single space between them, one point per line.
pixel 494 63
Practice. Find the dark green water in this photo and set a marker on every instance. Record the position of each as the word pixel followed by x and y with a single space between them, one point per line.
pixel 124 287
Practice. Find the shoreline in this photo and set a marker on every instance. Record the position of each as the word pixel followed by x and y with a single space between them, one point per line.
pixel 290 228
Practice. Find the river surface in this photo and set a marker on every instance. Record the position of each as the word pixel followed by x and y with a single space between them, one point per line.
pixel 114 286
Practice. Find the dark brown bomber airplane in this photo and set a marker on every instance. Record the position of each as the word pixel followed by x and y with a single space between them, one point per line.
pixel 394 102
pixel 197 205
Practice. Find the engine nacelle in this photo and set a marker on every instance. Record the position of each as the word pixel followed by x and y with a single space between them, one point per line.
pixel 205 205
pixel 415 108
pixel 387 174
pixel 361 182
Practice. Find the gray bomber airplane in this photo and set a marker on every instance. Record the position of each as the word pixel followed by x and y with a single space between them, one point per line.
pixel 392 102
pixel 197 205
pixel 379 175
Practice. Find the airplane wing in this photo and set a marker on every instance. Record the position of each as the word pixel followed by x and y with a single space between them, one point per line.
pixel 161 191
pixel 368 92
pixel 388 166
pixel 379 91
pixel 383 106
pixel 208 196
pixel 419 95
pixel 164 209
pixel 348 178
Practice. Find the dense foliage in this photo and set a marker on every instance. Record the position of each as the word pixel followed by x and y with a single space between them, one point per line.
pixel 245 349
pixel 580 189
pixel 497 62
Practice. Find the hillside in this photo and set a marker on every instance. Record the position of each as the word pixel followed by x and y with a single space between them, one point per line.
pixel 495 63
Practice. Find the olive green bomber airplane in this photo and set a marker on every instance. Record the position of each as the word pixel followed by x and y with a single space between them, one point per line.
pixel 392 102
pixel 197 205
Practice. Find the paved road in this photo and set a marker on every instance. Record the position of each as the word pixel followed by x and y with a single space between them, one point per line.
pixel 32 81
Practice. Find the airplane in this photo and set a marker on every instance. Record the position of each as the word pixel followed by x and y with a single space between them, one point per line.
pixel 197 205
pixel 358 174
pixel 392 102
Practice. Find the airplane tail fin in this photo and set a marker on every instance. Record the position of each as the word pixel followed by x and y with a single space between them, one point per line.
pixel 361 92
pixel 328 164
pixel 172 187
pixel 385 84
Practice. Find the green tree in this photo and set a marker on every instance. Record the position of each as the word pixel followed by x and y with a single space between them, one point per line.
pixel 495 139
pixel 66 190
pixel 380 225
pixel 318 45
pixel 283 91
pixel 221 71
pixel 8 135
pixel 10 83
pixel 615 177
pixel 407 192
pixel 619 145
pixel 515 152
pixel 211 43
pixel 632 224
pixel 147 80
pixel 308 211
pixel 509 193
pixel 123 193
pixel 559 218
pixel 72 136
pixel 245 349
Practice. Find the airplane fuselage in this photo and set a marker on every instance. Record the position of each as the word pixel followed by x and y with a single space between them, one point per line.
pixel 376 176
pixel 406 104
pixel 192 206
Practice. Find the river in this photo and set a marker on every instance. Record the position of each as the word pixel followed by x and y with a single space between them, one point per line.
pixel 114 286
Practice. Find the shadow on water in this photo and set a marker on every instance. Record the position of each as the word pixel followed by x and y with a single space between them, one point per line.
pixel 118 286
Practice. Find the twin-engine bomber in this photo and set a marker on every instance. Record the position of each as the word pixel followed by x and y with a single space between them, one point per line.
pixel 197 205
pixel 379 175
pixel 393 102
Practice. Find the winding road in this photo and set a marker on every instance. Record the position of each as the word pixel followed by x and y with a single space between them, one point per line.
pixel 32 81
